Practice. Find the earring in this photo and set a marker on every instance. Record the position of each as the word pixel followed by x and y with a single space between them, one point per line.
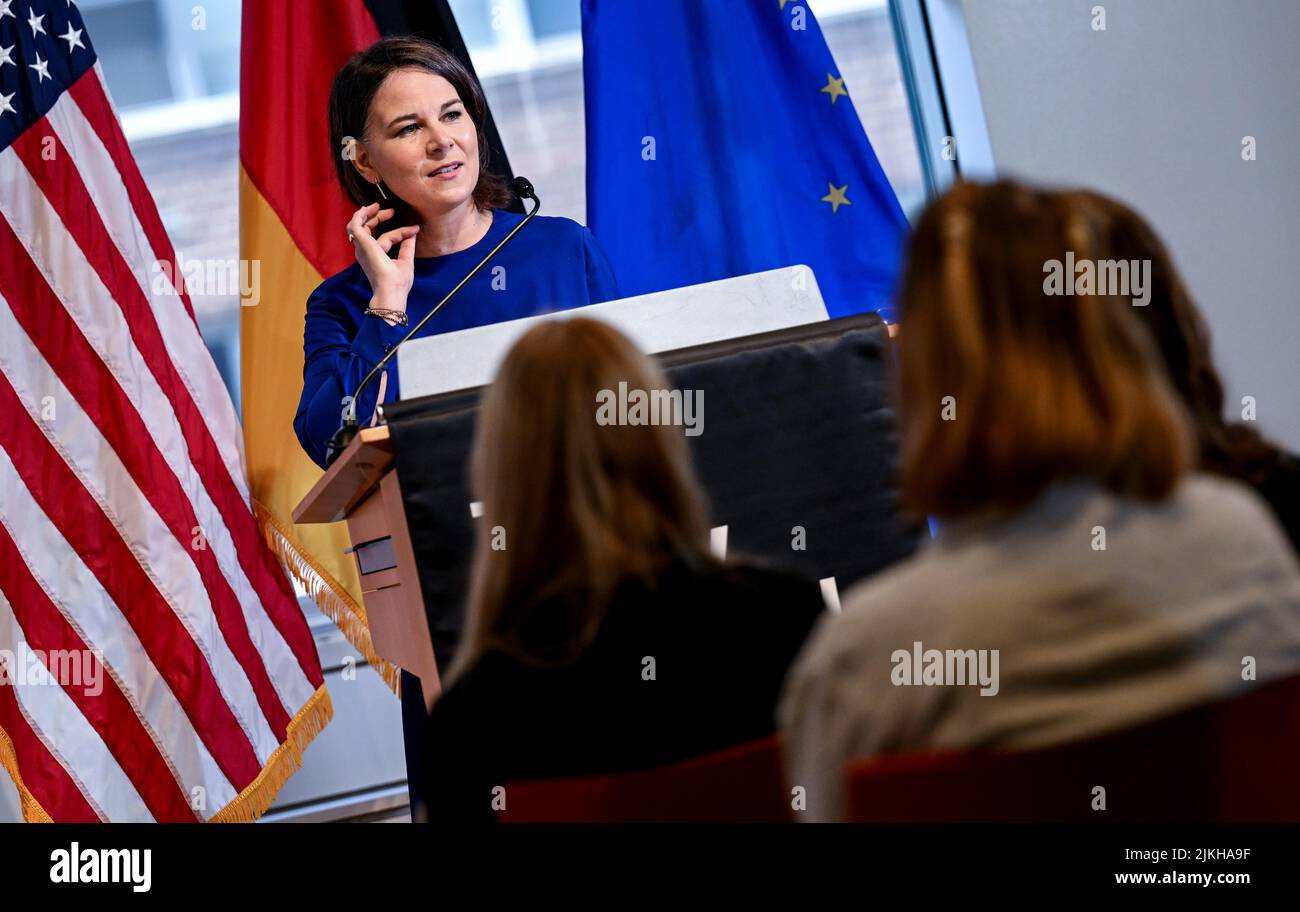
pixel 380 185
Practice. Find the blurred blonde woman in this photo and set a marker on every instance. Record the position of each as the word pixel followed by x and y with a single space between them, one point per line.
pixel 1095 580
pixel 601 635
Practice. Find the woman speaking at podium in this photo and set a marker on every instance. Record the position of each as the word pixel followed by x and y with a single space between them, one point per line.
pixel 407 126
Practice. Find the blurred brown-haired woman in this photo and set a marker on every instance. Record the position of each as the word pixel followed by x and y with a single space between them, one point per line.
pixel 1232 449
pixel 601 634
pixel 1041 388
pixel 1082 581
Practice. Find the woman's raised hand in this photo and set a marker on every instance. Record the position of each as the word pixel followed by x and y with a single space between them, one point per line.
pixel 390 279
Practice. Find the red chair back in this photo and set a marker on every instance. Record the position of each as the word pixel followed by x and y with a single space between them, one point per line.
pixel 1235 761
pixel 741 784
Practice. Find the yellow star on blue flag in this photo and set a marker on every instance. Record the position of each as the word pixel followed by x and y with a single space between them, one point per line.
pixel 836 197
pixel 834 87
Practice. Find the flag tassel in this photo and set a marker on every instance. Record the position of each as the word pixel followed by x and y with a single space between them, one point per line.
pixel 248 805
pixel 256 798
pixel 331 598
pixel 32 810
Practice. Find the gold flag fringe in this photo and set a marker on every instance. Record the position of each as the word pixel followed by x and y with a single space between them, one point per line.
pixel 257 796
pixel 32 810
pixel 330 597
pixel 249 804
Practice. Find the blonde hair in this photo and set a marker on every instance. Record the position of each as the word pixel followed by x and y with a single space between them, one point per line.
pixel 1044 387
pixel 581 506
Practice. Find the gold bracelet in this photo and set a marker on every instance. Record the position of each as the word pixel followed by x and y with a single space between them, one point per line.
pixel 399 316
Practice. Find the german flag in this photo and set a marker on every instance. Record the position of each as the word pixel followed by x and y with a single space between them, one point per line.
pixel 293 218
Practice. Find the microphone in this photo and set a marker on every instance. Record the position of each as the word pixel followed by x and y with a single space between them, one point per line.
pixel 523 188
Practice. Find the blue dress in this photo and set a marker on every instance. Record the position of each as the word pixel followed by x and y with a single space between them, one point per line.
pixel 552 264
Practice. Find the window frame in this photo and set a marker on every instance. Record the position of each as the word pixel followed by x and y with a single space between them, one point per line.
pixel 939 75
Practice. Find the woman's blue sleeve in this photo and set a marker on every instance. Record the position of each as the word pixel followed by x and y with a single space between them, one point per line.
pixel 602 285
pixel 333 364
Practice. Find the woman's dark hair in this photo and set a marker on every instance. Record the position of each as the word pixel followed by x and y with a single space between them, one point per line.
pixel 1226 448
pixel 354 90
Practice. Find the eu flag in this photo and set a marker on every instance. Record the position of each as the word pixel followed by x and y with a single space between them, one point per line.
pixel 722 141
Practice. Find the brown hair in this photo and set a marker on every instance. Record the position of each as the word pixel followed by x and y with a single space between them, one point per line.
pixel 582 506
pixel 1180 333
pixel 1044 387
pixel 354 90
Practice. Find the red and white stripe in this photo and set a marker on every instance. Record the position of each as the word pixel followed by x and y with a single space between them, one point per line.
pixel 118 442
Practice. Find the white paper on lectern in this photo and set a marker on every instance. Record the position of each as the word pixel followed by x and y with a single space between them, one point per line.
pixel 659 322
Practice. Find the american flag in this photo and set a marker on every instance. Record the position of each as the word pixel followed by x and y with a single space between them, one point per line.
pixel 156 665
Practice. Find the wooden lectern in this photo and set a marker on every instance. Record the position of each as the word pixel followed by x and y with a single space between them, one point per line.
pixel 361 487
